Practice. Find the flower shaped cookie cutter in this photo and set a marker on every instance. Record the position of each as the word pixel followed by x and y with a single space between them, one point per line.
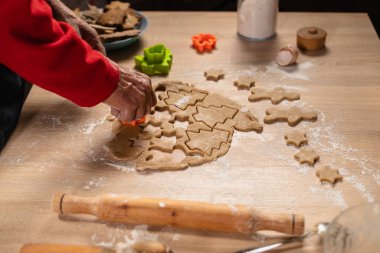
pixel 156 60
pixel 204 42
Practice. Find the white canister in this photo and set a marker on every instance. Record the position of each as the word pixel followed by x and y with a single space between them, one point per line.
pixel 257 19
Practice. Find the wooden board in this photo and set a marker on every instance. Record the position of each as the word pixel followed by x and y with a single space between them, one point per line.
pixel 59 146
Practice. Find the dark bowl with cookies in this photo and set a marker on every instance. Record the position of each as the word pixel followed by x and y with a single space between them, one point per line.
pixel 117 24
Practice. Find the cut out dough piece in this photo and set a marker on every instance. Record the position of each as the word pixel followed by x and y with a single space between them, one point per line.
pixel 276 95
pixel 326 174
pixel 206 141
pixel 214 74
pixel 183 99
pixel 296 138
pixel 292 115
pixel 306 155
pixel 213 115
pixel 245 82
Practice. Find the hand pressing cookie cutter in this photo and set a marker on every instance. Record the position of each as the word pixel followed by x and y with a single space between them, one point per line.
pixel 135 122
pixel 204 42
pixel 156 60
pixel 311 38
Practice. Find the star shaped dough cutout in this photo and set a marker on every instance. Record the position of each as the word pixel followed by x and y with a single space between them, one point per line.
pixel 326 174
pixel 214 74
pixel 306 155
pixel 245 82
pixel 296 138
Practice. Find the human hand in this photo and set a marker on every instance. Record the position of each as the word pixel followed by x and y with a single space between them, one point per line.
pixel 90 35
pixel 63 13
pixel 133 97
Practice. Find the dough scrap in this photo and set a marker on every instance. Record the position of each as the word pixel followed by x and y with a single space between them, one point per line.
pixel 245 82
pixel 326 174
pixel 306 155
pixel 293 115
pixel 296 138
pixel 212 120
pixel 276 95
pixel 214 74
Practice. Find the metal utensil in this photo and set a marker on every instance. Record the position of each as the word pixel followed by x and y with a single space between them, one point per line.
pixel 356 229
pixel 319 229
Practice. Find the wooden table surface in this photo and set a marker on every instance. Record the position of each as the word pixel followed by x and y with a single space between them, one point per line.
pixel 58 146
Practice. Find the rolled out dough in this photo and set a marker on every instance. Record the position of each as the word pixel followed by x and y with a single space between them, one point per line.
pixel 211 119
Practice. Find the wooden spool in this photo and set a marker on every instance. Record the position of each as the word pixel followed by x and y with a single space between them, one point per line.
pixel 311 38
pixel 287 56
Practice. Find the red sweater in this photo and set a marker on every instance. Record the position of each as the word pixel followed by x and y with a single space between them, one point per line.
pixel 51 55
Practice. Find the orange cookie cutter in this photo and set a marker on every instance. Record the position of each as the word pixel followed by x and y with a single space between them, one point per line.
pixel 204 42
pixel 135 122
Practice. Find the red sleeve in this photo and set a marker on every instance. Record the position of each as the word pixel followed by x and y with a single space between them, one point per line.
pixel 51 55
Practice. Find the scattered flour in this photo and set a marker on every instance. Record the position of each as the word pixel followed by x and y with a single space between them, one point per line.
pixel 54 120
pixel 123 167
pixel 357 184
pixel 290 72
pixel 288 87
pixel 177 237
pixel 233 208
pixel 244 109
pixel 334 196
pixel 182 101
pixel 89 128
pixel 94 183
pixel 120 238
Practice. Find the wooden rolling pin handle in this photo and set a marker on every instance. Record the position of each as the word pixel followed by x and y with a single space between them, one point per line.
pixel 186 214
pixel 138 247
pixel 70 204
pixel 57 248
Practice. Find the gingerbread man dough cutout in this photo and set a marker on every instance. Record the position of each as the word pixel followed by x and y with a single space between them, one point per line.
pixel 214 74
pixel 296 138
pixel 306 155
pixel 245 82
pixel 293 115
pixel 326 174
pixel 276 95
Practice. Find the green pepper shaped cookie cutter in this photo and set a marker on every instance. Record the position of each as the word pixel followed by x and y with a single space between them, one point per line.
pixel 156 60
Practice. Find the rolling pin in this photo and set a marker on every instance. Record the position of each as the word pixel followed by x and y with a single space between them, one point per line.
pixel 138 247
pixel 240 219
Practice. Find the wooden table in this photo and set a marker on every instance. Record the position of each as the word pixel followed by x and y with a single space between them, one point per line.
pixel 58 146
